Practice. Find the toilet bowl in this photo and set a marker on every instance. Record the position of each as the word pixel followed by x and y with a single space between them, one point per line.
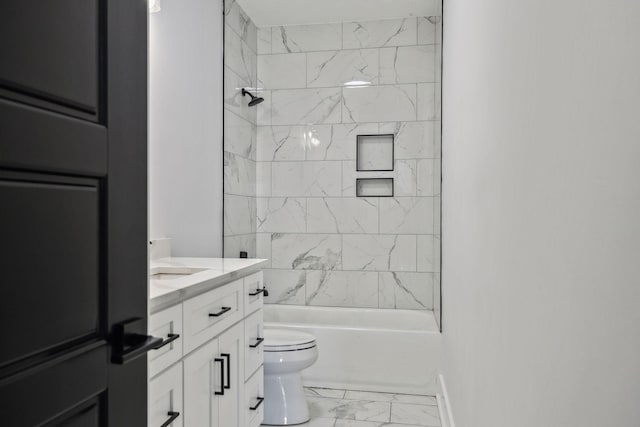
pixel 286 354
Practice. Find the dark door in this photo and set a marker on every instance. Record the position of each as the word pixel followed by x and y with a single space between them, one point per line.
pixel 73 212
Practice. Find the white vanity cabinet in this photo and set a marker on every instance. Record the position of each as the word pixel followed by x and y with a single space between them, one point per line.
pixel 212 373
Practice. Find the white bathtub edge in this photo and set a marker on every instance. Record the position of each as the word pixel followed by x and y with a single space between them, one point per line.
pixel 345 349
pixel 444 405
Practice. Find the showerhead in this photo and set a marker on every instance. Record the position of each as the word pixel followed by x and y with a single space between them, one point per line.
pixel 255 100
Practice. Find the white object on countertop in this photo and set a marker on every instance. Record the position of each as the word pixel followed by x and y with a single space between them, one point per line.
pixel 159 248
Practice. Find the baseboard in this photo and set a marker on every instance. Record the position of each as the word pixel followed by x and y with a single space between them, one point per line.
pixel 444 405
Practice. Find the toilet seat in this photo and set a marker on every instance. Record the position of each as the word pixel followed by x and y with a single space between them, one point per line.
pixel 287 340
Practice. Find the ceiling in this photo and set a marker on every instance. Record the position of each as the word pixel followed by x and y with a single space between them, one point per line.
pixel 267 13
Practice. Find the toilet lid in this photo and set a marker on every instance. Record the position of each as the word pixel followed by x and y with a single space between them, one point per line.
pixel 287 340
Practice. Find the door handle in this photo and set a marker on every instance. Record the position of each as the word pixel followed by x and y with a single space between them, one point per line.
pixel 256 292
pixel 258 342
pixel 260 400
pixel 228 356
pixel 130 341
pixel 170 338
pixel 221 392
pixel 172 417
pixel 222 311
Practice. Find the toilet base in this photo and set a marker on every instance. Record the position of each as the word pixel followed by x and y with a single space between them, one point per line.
pixel 285 403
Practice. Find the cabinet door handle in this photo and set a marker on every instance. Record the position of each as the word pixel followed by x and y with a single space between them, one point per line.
pixel 257 405
pixel 221 392
pixel 228 356
pixel 258 342
pixel 222 311
pixel 256 292
pixel 172 418
pixel 170 338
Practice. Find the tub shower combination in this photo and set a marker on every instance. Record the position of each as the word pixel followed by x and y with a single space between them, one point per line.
pixel 332 173
pixel 395 351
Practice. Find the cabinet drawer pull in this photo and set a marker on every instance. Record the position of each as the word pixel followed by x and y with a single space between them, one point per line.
pixel 258 342
pixel 172 418
pixel 228 356
pixel 222 311
pixel 256 292
pixel 170 338
pixel 221 392
pixel 257 405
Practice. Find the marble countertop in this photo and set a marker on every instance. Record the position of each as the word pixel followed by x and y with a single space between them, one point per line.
pixel 215 272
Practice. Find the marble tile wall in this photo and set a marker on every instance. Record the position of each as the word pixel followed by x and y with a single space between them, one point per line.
pixel 323 85
pixel 240 133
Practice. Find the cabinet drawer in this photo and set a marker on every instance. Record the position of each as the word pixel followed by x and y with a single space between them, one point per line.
pixel 253 346
pixel 165 398
pixel 206 315
pixel 253 392
pixel 165 324
pixel 253 294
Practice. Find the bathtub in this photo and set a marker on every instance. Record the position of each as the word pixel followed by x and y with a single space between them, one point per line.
pixel 397 351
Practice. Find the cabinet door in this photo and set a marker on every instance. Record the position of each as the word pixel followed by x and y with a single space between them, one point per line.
pixel 253 336
pixel 165 398
pixel 253 399
pixel 166 324
pixel 231 345
pixel 253 293
pixel 203 378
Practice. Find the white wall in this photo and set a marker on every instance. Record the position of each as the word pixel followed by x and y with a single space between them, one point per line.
pixel 185 126
pixel 541 220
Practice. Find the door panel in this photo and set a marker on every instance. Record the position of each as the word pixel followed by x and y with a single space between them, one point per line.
pixel 55 388
pixel 38 140
pixel 86 415
pixel 52 231
pixel 56 57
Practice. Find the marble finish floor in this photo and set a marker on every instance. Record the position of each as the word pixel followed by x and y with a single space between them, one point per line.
pixel 347 408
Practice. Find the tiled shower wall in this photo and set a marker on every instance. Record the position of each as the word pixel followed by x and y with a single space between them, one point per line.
pixel 323 85
pixel 240 70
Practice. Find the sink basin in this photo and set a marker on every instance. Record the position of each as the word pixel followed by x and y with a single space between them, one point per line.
pixel 171 273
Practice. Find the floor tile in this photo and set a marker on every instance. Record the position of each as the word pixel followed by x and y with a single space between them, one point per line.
pixel 390 397
pixel 353 423
pixel 419 415
pixel 320 422
pixel 361 410
pixel 324 392
pixel 351 408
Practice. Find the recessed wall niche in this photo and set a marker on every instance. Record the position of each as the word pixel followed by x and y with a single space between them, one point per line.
pixel 374 187
pixel 374 153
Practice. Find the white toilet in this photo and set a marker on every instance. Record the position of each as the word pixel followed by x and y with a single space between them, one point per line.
pixel 286 354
